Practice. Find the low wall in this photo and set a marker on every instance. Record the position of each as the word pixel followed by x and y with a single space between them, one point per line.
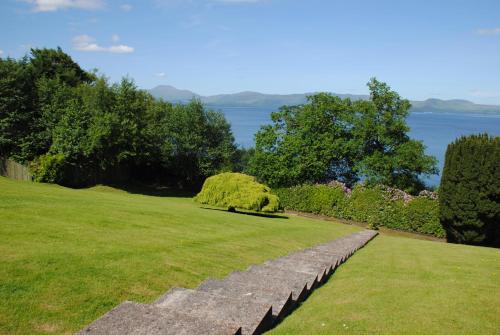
pixel 14 170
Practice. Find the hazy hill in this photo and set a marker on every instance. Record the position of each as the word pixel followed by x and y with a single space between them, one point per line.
pixel 257 99
pixel 170 93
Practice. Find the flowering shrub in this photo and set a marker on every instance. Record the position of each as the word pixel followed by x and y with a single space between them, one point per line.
pixel 378 206
pixel 341 185
pixel 395 194
pixel 428 194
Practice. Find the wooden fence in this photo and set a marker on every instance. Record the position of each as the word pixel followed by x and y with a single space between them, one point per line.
pixel 14 170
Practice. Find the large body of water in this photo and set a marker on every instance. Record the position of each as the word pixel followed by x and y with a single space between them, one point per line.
pixel 437 130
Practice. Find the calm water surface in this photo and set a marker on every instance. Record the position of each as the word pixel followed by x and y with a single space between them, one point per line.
pixel 435 129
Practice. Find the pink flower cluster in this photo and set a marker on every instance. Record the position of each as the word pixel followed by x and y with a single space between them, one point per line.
pixel 428 194
pixel 391 193
pixel 341 185
pixel 395 194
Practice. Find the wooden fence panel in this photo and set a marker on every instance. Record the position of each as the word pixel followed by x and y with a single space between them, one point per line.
pixel 14 170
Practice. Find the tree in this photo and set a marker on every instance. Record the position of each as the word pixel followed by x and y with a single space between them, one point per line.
pixel 306 143
pixel 193 143
pixel 77 129
pixel 18 111
pixel 28 109
pixel 55 64
pixel 386 153
pixel 469 194
pixel 334 138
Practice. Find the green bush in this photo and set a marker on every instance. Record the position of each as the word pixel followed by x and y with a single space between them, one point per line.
pixel 318 199
pixel 366 205
pixel 237 191
pixel 470 191
pixel 48 168
pixel 422 215
pixel 376 206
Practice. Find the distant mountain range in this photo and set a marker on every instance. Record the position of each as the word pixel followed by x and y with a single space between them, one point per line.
pixel 273 101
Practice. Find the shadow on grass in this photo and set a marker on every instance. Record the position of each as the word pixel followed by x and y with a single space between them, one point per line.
pixel 265 215
pixel 155 190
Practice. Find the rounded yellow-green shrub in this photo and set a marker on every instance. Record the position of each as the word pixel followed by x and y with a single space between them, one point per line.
pixel 237 191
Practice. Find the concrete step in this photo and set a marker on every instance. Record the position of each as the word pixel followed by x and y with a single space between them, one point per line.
pixel 349 243
pixel 305 264
pixel 257 289
pixel 254 317
pixel 246 302
pixel 139 319
pixel 288 277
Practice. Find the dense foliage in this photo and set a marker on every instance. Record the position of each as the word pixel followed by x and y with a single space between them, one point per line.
pixel 334 138
pixel 237 191
pixel 77 129
pixel 470 191
pixel 377 206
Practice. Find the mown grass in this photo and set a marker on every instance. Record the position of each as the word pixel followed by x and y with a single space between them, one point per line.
pixel 397 285
pixel 68 256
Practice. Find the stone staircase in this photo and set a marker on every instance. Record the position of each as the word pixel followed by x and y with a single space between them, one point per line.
pixel 245 302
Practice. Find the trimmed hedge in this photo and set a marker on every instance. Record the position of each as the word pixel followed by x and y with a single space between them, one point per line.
pixel 372 205
pixel 317 199
pixel 237 191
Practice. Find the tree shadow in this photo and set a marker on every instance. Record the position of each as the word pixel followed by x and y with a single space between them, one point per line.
pixel 155 190
pixel 265 215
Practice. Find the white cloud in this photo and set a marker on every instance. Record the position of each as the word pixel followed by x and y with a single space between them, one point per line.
pixel 492 31
pixel 1 52
pixel 88 44
pixel 120 49
pixel 115 38
pixel 161 74
pixel 54 5
pixel 126 7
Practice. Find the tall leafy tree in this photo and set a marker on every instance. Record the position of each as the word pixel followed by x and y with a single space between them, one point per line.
pixel 55 64
pixel 27 104
pixel 386 154
pixel 18 109
pixel 330 137
pixel 194 143
pixel 305 143
pixel 77 129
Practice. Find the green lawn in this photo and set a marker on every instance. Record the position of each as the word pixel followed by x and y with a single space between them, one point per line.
pixel 68 256
pixel 405 286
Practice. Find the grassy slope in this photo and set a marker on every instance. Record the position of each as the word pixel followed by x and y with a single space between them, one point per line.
pixel 68 256
pixel 405 286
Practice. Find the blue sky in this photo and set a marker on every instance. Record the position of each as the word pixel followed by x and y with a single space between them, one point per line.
pixel 441 49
